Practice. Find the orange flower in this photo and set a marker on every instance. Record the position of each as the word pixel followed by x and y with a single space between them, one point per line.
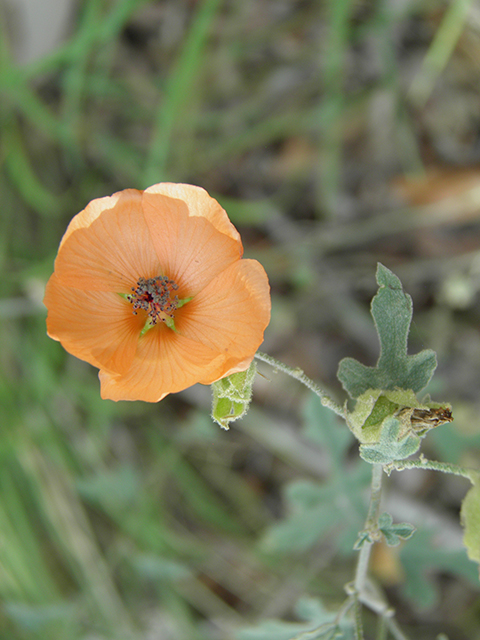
pixel 150 288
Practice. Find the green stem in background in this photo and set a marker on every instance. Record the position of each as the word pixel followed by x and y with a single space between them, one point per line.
pixel 298 374
pixel 179 90
pixel 423 463
pixel 440 51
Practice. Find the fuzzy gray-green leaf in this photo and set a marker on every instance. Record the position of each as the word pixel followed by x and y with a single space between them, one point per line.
pixel 392 313
pixel 394 533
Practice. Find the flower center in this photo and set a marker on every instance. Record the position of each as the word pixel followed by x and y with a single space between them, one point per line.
pixel 155 296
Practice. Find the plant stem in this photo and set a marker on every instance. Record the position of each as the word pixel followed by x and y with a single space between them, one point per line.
pixel 394 629
pixel 381 628
pixel 371 525
pixel 433 465
pixel 375 496
pixel 298 374
pixel 358 620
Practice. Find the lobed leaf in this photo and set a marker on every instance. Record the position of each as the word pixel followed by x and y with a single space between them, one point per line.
pixel 394 533
pixel 392 313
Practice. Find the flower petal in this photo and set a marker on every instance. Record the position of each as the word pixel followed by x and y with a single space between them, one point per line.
pixel 108 250
pixel 226 368
pixel 95 208
pixel 230 314
pixel 199 203
pixel 95 326
pixel 165 363
pixel 191 250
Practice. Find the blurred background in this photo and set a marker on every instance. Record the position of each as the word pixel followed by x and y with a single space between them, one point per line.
pixel 336 133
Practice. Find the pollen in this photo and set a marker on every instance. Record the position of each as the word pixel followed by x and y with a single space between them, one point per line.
pixel 157 297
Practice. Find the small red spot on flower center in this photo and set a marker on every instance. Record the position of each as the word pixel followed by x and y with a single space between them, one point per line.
pixel 156 297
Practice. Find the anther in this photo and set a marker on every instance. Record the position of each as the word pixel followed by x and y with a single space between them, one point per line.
pixel 156 297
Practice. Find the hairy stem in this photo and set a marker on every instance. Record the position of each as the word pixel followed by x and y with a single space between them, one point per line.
pixel 433 465
pixel 358 621
pixel 371 525
pixel 298 374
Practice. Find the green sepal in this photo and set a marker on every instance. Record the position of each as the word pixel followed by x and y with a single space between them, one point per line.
pixel 470 516
pixel 232 396
pixel 182 302
pixel 375 405
pixel 391 309
pixel 393 443
pixel 394 533
pixel 170 322
pixel 147 326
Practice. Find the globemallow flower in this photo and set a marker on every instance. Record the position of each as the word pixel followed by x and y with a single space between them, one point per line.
pixel 149 286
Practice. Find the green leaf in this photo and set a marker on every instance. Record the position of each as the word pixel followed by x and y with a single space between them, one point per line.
pixel 363 537
pixel 422 557
pixel 232 396
pixel 312 512
pixel 313 613
pixel 392 313
pixel 325 429
pixel 470 515
pixel 394 533
pixel 315 509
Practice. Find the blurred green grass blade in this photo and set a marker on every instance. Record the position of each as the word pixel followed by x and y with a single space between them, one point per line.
pixel 182 614
pixel 95 30
pixel 203 501
pixel 16 580
pixel 104 31
pixel 6 224
pixel 121 158
pixel 70 529
pixel 40 116
pixel 22 175
pixel 334 58
pixel 75 75
pixel 177 90
pixel 262 133
pixel 382 28
pixel 28 544
pixel 440 51
pixel 116 20
pixel 237 493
